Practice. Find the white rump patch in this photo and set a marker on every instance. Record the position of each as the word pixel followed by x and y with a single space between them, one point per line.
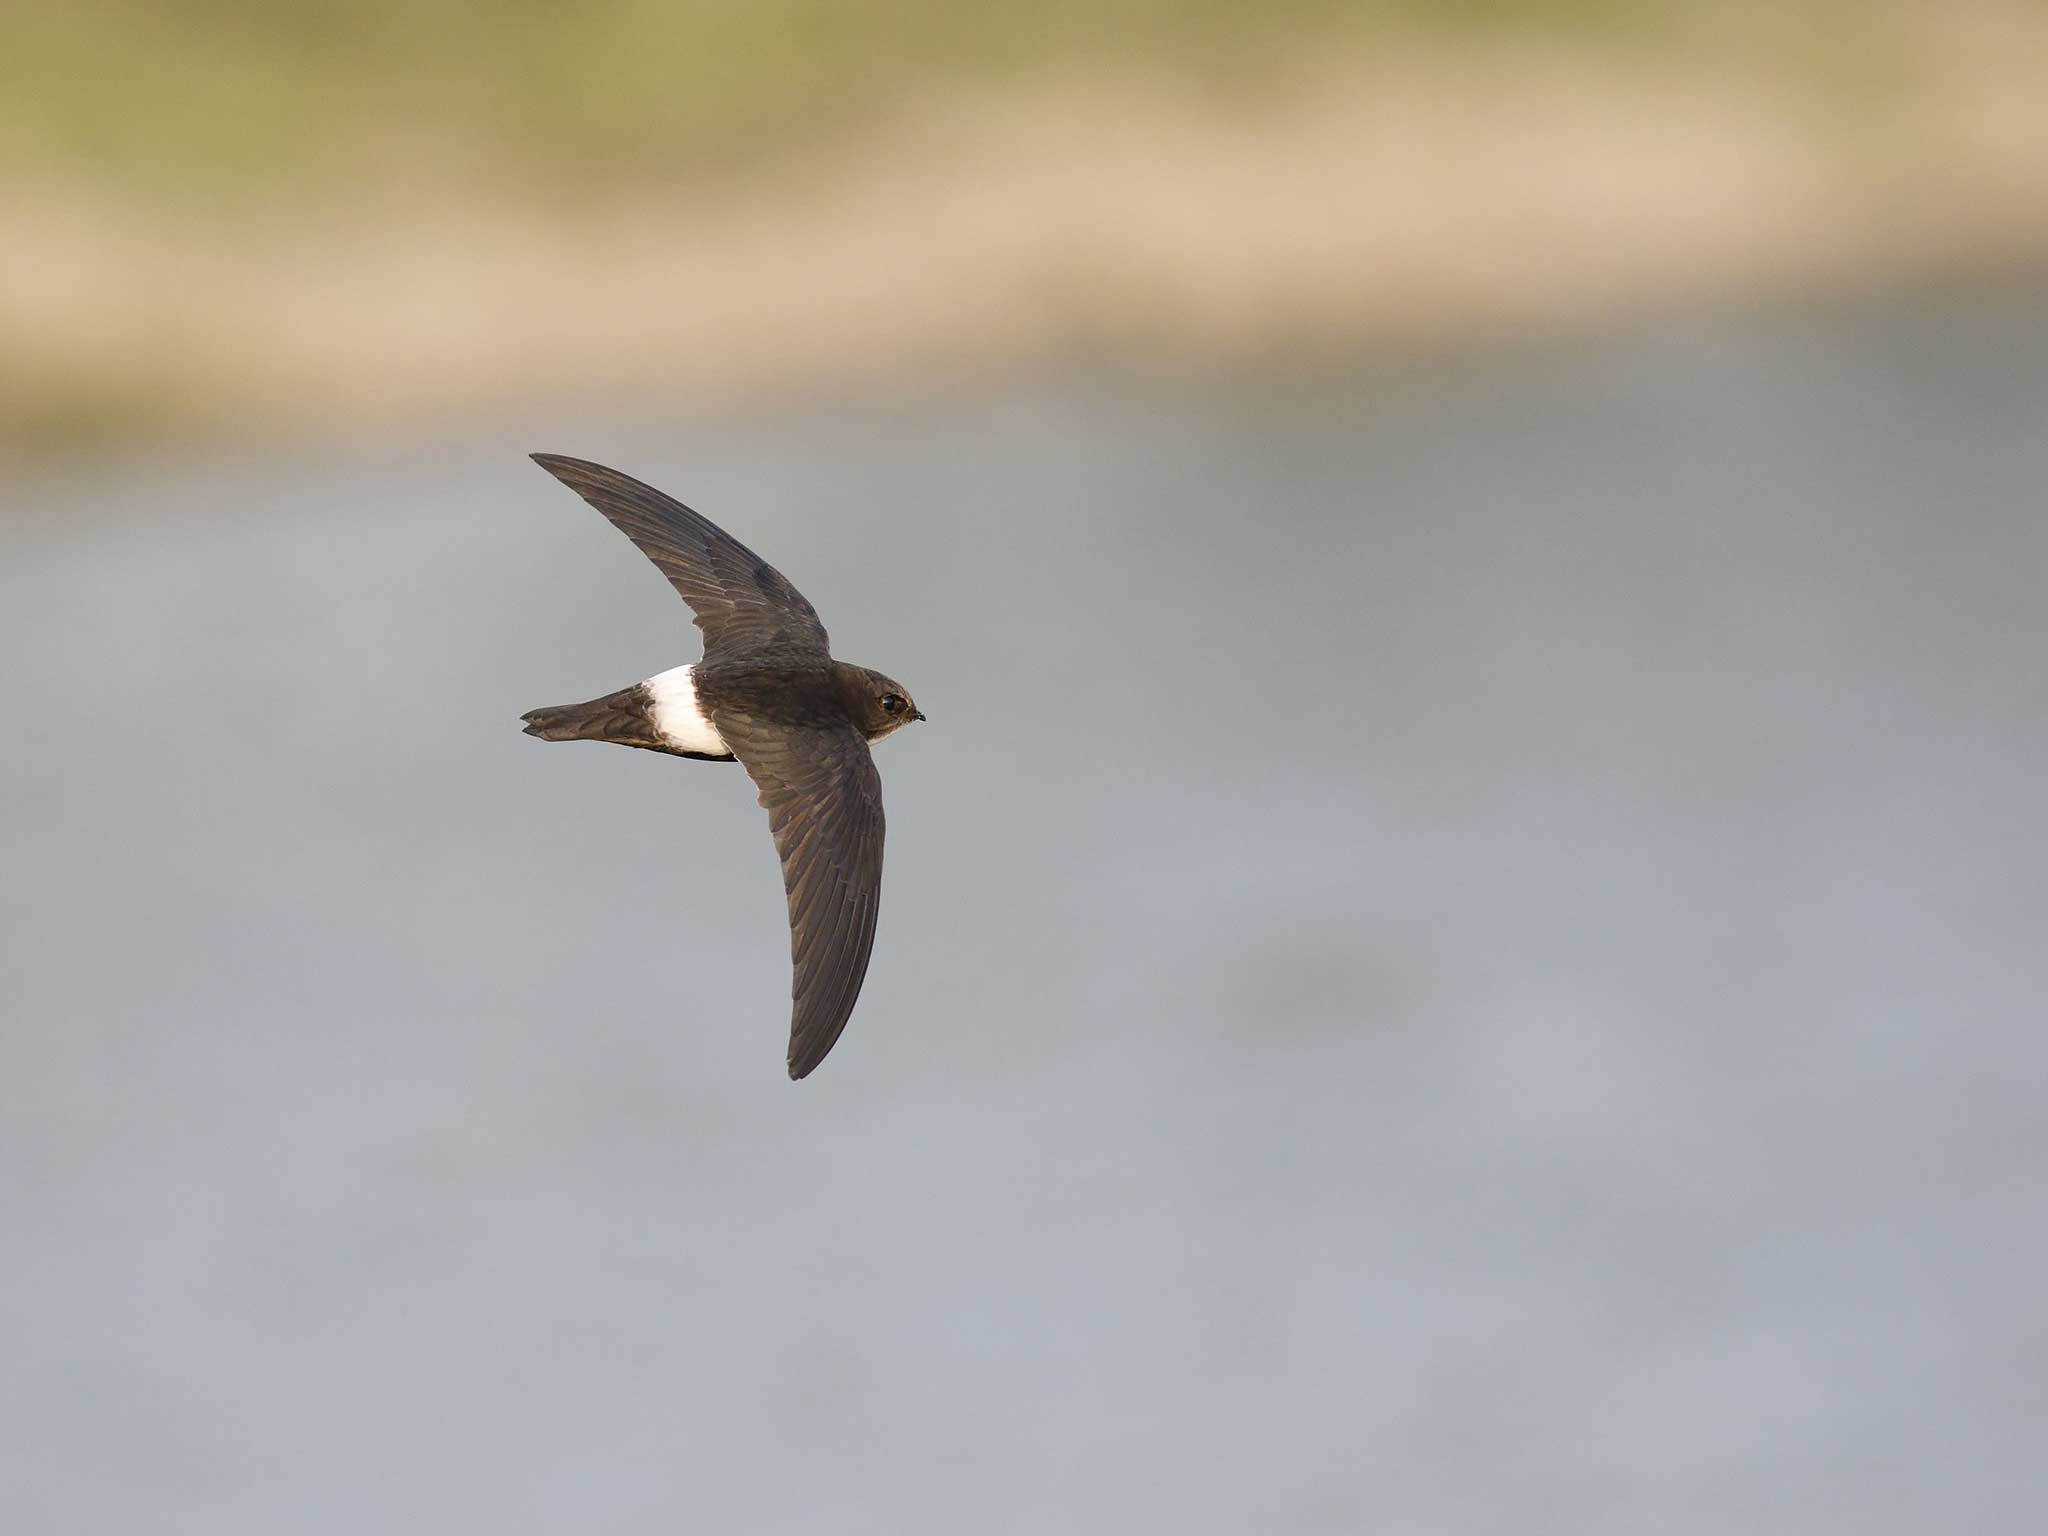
pixel 673 708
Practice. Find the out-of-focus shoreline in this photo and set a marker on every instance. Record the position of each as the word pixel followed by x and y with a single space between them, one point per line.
pixel 1401 198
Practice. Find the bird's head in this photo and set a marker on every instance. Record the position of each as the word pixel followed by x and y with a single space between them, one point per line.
pixel 880 704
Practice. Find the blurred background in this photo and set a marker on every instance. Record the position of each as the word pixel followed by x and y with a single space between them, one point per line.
pixel 1462 950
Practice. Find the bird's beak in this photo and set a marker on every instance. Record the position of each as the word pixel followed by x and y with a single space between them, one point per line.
pixel 917 714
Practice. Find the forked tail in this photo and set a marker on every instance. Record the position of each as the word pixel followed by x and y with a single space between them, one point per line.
pixel 615 717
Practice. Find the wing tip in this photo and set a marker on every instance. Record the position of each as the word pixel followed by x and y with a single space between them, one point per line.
pixel 557 464
pixel 803 1061
pixel 804 1056
pixel 599 484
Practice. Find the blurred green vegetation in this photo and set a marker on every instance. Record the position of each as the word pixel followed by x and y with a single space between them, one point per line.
pixel 227 210
pixel 185 95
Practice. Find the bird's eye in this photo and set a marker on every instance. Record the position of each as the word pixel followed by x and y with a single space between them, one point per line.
pixel 894 703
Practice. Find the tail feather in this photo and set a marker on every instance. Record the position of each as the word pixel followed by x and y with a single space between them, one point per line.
pixel 615 717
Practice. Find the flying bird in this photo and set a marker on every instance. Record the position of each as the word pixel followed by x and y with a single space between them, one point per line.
pixel 769 694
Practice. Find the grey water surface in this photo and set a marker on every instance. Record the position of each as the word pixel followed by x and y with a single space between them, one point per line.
pixel 1463 951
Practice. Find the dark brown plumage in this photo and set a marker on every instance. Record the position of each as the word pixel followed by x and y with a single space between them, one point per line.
pixel 797 720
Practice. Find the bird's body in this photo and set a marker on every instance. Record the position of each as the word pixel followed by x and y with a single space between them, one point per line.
pixel 768 694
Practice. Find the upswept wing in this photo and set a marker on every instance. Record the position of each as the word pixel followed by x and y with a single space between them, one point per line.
pixel 743 604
